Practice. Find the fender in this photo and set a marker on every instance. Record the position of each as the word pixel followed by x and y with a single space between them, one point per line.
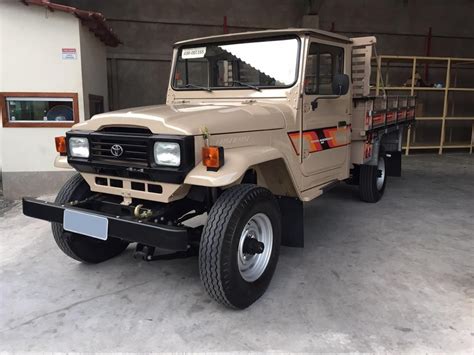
pixel 61 162
pixel 237 162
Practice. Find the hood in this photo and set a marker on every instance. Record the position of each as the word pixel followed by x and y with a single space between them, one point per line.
pixel 188 119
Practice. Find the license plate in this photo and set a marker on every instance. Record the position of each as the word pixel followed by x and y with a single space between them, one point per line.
pixel 86 224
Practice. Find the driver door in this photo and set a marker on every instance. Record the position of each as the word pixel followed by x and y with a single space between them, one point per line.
pixel 326 122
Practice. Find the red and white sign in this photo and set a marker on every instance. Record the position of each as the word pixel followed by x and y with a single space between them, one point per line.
pixel 69 53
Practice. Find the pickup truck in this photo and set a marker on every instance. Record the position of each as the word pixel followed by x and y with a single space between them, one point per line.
pixel 254 125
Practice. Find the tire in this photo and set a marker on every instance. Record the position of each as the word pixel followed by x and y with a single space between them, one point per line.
pixel 227 275
pixel 77 246
pixel 372 181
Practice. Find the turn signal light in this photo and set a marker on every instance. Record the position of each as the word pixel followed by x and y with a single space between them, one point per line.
pixel 213 157
pixel 60 144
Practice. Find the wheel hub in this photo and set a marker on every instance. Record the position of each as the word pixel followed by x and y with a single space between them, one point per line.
pixel 255 247
pixel 380 173
pixel 252 246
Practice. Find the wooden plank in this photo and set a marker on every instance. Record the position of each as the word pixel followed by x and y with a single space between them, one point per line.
pixel 445 107
pixel 406 57
pixel 472 138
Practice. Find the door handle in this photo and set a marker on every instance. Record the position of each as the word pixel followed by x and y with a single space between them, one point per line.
pixel 342 124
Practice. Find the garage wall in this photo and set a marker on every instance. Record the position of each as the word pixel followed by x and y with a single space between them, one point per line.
pixel 140 67
pixel 401 27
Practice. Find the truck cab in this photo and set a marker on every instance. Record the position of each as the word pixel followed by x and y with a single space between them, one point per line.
pixel 254 125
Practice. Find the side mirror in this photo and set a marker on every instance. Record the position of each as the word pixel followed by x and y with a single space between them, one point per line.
pixel 340 84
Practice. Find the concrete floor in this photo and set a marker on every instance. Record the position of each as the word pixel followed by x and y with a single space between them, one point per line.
pixel 395 276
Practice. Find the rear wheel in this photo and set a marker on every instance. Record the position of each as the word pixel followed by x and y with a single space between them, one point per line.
pixel 372 180
pixel 77 246
pixel 240 245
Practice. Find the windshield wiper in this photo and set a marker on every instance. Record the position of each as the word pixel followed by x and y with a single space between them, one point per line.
pixel 245 84
pixel 198 87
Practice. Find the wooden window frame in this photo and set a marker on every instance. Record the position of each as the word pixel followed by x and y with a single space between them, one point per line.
pixel 40 124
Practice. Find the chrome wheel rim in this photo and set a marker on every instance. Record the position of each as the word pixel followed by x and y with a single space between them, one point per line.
pixel 381 171
pixel 252 266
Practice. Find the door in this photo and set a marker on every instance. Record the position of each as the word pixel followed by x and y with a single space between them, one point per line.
pixel 326 122
pixel 96 105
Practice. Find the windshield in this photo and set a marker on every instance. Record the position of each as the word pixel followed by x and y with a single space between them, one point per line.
pixel 253 65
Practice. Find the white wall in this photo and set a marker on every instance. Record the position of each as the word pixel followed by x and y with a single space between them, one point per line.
pixel 34 37
pixel 1 88
pixel 31 42
pixel 94 68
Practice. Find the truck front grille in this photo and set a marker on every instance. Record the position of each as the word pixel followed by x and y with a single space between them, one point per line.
pixel 136 159
pixel 133 150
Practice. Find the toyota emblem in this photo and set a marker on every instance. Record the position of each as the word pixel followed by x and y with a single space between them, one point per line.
pixel 116 150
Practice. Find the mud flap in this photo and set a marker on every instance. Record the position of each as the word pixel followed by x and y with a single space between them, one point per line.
pixel 292 221
pixel 394 163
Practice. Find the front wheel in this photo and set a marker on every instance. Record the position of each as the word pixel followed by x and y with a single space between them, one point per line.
pixel 77 246
pixel 372 180
pixel 240 245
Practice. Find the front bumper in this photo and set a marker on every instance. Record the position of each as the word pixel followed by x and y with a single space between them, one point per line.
pixel 157 235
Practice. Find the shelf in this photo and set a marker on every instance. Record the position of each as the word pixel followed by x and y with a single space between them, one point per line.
pixel 422 88
pixel 405 57
pixel 416 63
pixel 422 147
pixel 459 118
pixel 409 88
pixel 426 118
pixel 461 89
pixel 419 147
pixel 462 146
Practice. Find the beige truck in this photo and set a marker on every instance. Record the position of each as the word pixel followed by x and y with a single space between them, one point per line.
pixel 254 125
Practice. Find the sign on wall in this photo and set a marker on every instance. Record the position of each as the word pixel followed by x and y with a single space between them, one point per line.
pixel 69 53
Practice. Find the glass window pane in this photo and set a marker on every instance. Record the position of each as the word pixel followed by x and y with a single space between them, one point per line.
pixel 264 63
pixel 39 109
pixel 322 64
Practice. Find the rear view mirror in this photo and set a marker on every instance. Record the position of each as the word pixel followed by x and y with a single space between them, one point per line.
pixel 340 84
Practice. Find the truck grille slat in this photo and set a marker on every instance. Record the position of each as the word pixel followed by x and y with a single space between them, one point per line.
pixel 134 148
pixel 107 150
pixel 125 145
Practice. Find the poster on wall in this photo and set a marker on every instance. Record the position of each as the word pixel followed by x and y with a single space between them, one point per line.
pixel 69 53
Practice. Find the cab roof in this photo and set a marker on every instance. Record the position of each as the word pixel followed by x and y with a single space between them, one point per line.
pixel 268 33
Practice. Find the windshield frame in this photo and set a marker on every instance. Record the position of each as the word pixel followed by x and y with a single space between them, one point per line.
pixel 247 40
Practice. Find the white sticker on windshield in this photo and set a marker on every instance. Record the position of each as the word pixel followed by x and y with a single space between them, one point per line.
pixel 189 53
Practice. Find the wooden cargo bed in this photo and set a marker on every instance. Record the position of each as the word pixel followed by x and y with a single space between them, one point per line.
pixel 375 113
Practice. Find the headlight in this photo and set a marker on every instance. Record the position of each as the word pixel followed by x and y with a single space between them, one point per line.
pixel 78 147
pixel 167 153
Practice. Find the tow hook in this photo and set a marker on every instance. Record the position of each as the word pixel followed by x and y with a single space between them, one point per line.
pixel 146 213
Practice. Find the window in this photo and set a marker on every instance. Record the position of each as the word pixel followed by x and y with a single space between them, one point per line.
pixel 251 64
pixel 322 64
pixel 38 109
pixel 195 72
